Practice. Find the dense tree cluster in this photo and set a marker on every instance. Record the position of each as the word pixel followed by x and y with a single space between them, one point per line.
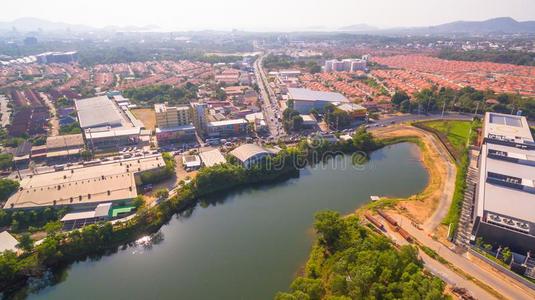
pixel 466 99
pixel 150 95
pixel 292 119
pixel 6 161
pixel 73 128
pixel 7 187
pixel 159 175
pixel 350 261
pixel 522 58
pixel 277 61
pixel 19 220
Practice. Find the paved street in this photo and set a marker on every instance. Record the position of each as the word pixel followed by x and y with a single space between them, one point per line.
pixel 270 106
pixel 499 282
pixel 440 270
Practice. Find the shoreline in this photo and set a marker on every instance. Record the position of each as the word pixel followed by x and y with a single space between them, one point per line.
pixel 144 223
pixel 422 207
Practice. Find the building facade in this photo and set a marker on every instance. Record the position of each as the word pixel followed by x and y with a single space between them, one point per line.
pixel 504 210
pixel 227 128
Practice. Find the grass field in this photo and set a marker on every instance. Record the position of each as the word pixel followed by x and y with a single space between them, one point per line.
pixel 457 132
pixel 147 116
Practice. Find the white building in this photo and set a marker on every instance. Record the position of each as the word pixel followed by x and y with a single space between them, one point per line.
pixel 345 65
pixel 250 154
pixel 504 212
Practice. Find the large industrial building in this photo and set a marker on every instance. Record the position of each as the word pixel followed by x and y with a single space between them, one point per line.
pixel 504 212
pixel 305 100
pixel 83 187
pixel 105 124
pixel 57 57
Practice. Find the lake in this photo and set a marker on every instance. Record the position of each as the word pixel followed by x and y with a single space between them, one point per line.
pixel 246 244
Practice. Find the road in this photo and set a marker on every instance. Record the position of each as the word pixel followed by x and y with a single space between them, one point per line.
pixel 270 107
pixel 499 282
pixel 440 270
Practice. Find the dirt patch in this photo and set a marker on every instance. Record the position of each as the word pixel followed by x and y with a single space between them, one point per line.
pixel 147 116
pixel 421 208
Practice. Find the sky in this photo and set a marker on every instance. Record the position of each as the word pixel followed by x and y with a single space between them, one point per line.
pixel 265 14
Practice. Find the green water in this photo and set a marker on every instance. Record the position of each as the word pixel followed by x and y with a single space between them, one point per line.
pixel 247 244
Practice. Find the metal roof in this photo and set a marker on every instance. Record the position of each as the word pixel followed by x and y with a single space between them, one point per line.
pixel 212 158
pixel 246 151
pixel 311 95
pixel 98 112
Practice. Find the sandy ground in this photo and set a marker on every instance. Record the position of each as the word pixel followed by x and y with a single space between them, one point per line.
pixel 431 205
pixel 147 116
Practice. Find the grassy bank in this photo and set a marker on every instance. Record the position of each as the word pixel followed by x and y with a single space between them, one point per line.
pixel 457 136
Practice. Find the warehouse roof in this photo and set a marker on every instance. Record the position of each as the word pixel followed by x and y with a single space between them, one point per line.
pixel 247 151
pixel 98 112
pixel 90 185
pixel 212 158
pixel 311 95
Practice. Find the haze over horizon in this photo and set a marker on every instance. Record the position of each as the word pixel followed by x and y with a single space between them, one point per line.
pixel 263 16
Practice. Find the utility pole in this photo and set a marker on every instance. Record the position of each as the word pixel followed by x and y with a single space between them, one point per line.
pixel 443 108
pixel 477 107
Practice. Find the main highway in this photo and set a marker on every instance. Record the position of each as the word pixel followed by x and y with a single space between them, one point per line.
pixel 270 107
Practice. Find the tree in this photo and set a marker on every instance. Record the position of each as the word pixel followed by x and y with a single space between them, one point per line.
pixel 85 154
pixel 329 227
pixel 292 119
pixel 53 227
pixel 138 201
pixel 25 243
pixel 7 187
pixel 506 255
pixel 162 193
pixel 315 69
pixel 363 140
pixel 405 106
pixel 6 161
pixel 399 97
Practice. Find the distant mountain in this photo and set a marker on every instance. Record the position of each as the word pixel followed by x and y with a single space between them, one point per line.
pixel 35 24
pixel 358 28
pixel 497 25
